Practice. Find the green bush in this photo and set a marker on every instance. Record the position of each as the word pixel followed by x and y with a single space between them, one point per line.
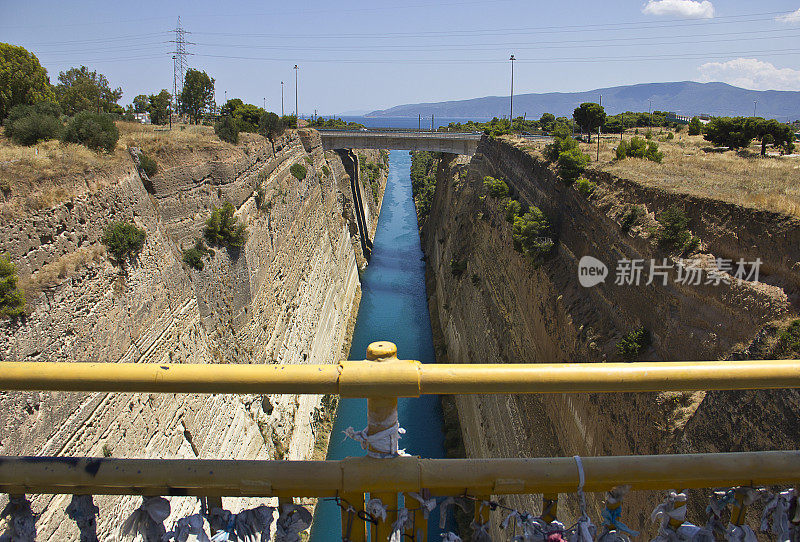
pixel 670 136
pixel 531 233
pixel 639 148
pixel 559 145
pixel 789 339
pixel 298 171
pixel 585 186
pixel 94 130
pixel 497 187
pixel 630 217
pixel 29 124
pixel 227 130
pixel 673 231
pixel 222 228
pixel 326 171
pixel 457 267
pixel 513 210
pixel 12 299
pixel 632 345
pixel 123 240
pixel 695 126
pixel 148 165
pixel 194 256
pixel 571 163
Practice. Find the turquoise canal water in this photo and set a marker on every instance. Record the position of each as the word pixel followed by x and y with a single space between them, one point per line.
pixel 393 308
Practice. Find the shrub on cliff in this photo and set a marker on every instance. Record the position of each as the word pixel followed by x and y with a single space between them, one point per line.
pixel 271 126
pixel 571 163
pixel 673 231
pixel 531 234
pixel 497 187
pixel 227 130
pixel 29 124
pixel 633 344
pixel 298 171
pixel 585 186
pixel 513 210
pixel 559 145
pixel 123 240
pixel 148 165
pixel 12 299
pixel 193 257
pixel 695 126
pixel 222 227
pixel 94 130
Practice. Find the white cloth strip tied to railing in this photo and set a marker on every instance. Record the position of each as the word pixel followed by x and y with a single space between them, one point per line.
pixel 147 521
pixel 717 502
pixel 428 505
pixel 194 525
pixel 403 521
pixel 480 532
pixel 743 533
pixel 383 444
pixel 777 510
pixel 450 537
pixel 243 526
pixel 21 522
pixel 445 507
pixel 293 520
pixel 673 509
pixel 376 509
pixel 83 512
pixel 585 530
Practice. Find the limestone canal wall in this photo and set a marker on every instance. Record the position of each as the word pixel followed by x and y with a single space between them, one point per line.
pixel 289 296
pixel 492 304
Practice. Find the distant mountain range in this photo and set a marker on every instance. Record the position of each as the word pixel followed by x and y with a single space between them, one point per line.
pixel 684 98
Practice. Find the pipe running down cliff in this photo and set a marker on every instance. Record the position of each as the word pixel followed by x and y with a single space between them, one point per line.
pixel 352 167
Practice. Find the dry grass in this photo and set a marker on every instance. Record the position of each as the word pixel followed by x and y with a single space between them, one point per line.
pixel 56 272
pixel 691 167
pixel 49 173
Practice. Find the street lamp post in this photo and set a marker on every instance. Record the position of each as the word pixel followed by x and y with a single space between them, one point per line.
pixel 296 101
pixel 755 103
pixel 282 99
pixel 511 110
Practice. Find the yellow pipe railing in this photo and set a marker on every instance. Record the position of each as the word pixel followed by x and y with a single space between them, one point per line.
pixel 400 378
pixel 355 476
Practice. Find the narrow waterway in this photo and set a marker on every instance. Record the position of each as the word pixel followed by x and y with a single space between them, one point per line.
pixel 393 308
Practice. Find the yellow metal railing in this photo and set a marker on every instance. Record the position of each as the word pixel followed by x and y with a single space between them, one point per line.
pixel 382 383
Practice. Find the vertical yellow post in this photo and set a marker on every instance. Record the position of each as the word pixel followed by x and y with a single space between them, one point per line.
pixel 482 511
pixel 739 508
pixel 381 415
pixel 675 523
pixel 211 503
pixel 550 507
pixel 357 528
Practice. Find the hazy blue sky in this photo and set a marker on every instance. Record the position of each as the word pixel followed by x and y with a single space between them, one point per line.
pixel 369 55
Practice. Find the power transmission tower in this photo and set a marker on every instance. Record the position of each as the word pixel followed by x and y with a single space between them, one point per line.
pixel 180 62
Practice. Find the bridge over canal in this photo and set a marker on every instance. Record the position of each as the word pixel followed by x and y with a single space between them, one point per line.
pixel 455 143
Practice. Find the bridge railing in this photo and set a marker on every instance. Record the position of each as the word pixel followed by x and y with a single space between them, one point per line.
pixel 385 473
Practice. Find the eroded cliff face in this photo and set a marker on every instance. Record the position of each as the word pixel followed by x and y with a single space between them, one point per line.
pixel 504 308
pixel 289 296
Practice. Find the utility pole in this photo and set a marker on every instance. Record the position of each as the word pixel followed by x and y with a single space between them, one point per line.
pixel 420 123
pixel 622 132
pixel 511 109
pixel 755 103
pixel 650 112
pixel 265 105
pixel 179 61
pixel 431 122
pixel 296 101
pixel 598 131
pixel 282 99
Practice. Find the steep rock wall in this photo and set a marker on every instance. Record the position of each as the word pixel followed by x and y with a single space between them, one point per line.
pixel 503 308
pixel 289 296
